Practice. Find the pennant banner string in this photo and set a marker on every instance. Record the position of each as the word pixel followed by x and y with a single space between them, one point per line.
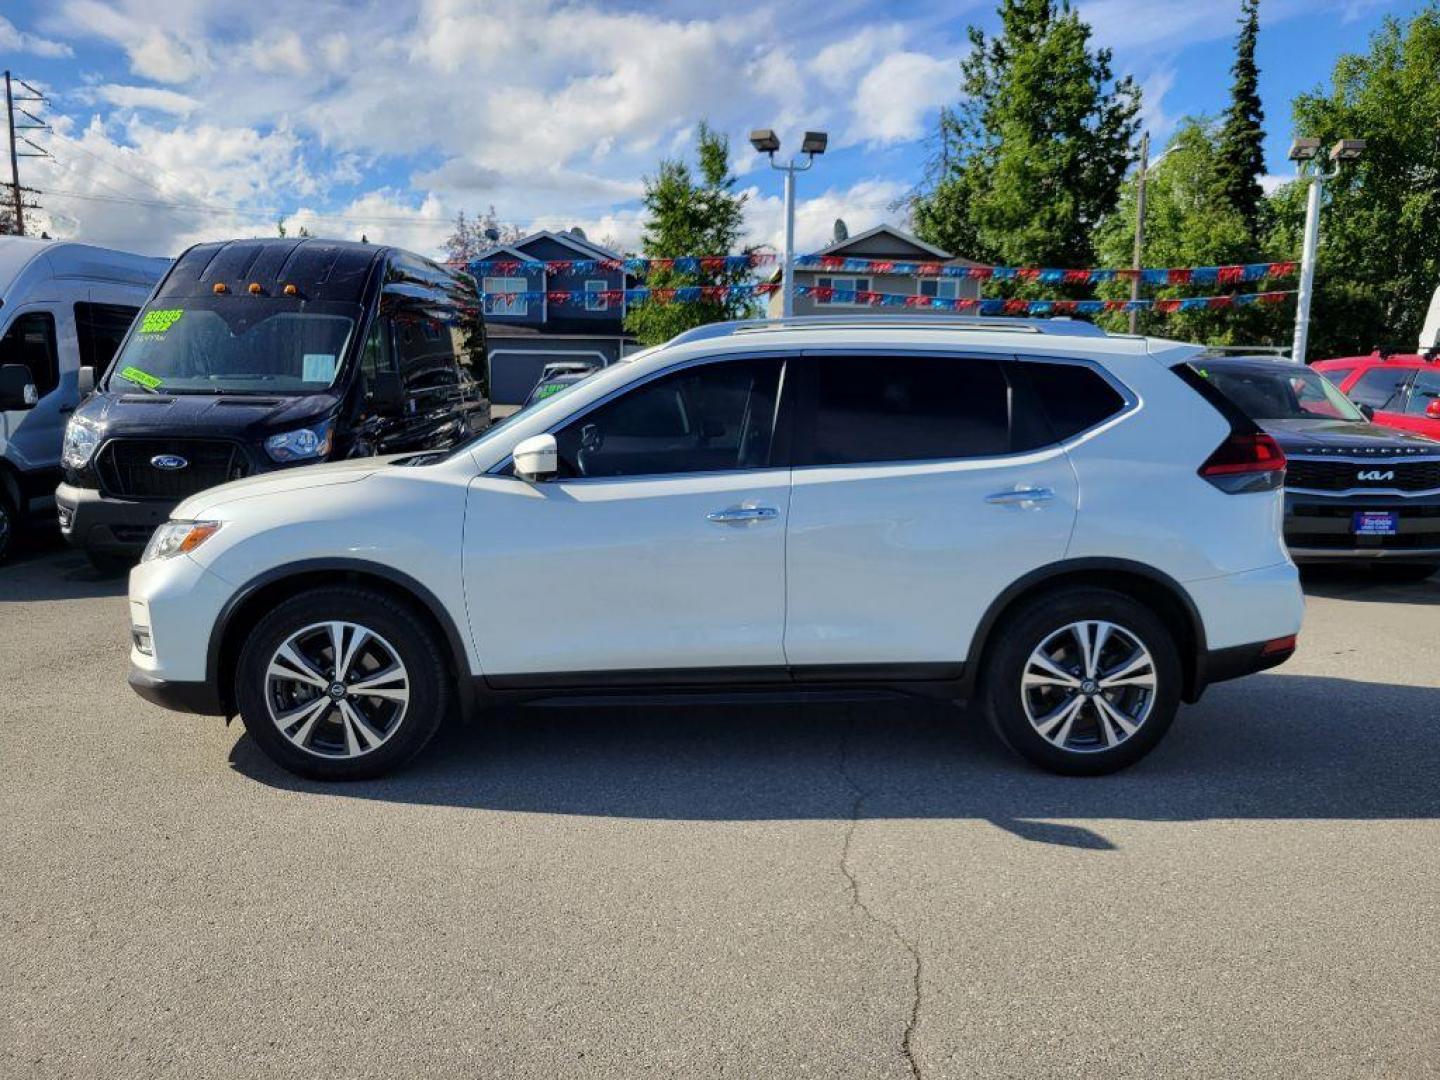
pixel 497 303
pixel 694 264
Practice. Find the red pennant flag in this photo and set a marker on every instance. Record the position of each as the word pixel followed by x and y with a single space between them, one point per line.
pixel 1180 276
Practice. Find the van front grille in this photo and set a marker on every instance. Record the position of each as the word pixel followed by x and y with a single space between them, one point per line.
pixel 128 468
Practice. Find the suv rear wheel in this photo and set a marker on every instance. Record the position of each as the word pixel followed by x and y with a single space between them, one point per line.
pixel 1082 682
pixel 342 683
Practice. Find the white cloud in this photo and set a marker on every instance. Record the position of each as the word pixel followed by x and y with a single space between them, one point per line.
pixel 895 96
pixel 1153 117
pixel 861 206
pixel 146 97
pixel 13 39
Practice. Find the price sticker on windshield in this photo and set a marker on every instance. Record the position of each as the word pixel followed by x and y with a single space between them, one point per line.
pixel 157 322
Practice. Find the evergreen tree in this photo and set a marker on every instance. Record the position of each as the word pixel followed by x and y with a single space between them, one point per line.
pixel 1241 161
pixel 686 216
pixel 1033 157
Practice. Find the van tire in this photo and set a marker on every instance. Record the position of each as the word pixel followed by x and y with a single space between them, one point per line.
pixel 398 633
pixel 1018 711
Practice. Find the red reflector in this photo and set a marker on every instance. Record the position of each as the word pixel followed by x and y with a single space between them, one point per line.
pixel 1279 645
pixel 1257 453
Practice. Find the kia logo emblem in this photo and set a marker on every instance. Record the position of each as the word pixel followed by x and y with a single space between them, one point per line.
pixel 1375 474
pixel 169 462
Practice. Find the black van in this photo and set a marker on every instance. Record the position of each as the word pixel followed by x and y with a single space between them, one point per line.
pixel 255 355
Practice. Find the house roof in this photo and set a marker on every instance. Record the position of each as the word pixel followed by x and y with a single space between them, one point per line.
pixel 839 248
pixel 584 248
pixel 491 252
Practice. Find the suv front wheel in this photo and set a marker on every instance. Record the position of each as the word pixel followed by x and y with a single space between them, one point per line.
pixel 341 683
pixel 1083 681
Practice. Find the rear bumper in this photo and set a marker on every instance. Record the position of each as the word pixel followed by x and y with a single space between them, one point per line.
pixel 97 522
pixel 1222 665
pixel 187 697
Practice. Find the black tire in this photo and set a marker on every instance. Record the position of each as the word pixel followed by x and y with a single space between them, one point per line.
pixel 395 627
pixel 110 565
pixel 9 522
pixel 1403 572
pixel 1087 751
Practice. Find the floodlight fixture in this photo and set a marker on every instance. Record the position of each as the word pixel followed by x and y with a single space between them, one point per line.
pixel 765 140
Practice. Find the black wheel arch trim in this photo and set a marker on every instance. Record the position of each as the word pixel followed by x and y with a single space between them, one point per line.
pixel 459 654
pixel 1001 605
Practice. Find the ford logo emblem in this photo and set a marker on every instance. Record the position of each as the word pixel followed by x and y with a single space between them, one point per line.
pixel 169 462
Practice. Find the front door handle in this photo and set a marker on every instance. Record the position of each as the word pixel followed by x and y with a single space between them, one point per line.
pixel 1020 496
pixel 742 515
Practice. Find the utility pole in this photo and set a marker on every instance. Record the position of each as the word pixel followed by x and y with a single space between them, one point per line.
pixel 1139 229
pixel 18 192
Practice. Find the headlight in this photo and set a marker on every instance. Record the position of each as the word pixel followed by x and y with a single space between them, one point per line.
pixel 309 442
pixel 177 538
pixel 80 442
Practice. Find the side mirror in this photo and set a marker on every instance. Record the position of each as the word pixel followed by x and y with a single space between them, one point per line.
pixel 1368 410
pixel 1432 410
pixel 17 388
pixel 85 381
pixel 536 458
pixel 387 394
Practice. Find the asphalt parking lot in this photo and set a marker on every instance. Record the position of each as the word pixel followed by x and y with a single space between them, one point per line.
pixel 830 891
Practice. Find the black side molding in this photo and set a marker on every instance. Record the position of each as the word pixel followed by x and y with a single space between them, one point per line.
pixel 188 697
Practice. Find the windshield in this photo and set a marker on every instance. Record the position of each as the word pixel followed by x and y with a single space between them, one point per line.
pixel 1286 392
pixel 235 344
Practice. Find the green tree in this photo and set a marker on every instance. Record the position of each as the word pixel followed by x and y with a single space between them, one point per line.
pixel 1032 159
pixel 1379 262
pixel 1241 160
pixel 1185 225
pixel 690 216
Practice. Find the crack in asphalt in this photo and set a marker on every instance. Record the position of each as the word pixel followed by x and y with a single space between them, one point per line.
pixel 857 903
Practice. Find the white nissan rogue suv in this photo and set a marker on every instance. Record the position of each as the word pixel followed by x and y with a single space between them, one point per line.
pixel 1071 529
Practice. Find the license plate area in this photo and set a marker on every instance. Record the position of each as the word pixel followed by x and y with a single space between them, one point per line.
pixel 1375 523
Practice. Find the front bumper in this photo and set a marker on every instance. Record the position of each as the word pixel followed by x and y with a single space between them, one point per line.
pixel 97 522
pixel 1319 528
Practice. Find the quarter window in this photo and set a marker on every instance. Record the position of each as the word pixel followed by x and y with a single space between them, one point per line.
pixel 31 341
pixel 712 418
pixel 100 329
pixel 1072 396
pixel 908 408
pixel 1380 388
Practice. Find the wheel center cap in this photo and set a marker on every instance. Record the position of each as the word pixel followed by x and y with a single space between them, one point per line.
pixel 1089 687
pixel 336 690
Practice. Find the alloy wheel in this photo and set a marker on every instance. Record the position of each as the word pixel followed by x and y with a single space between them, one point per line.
pixel 1089 686
pixel 337 689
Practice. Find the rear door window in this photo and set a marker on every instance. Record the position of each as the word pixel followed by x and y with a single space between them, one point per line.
pixel 1381 388
pixel 871 409
pixel 1423 391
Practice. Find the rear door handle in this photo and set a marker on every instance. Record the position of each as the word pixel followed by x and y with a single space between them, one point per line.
pixel 1020 496
pixel 742 515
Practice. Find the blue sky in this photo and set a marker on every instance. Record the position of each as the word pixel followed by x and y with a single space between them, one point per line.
pixel 191 119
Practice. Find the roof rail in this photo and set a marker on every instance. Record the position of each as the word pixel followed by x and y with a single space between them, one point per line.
pixel 907 320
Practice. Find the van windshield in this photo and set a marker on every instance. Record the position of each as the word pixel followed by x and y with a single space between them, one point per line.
pixel 235 344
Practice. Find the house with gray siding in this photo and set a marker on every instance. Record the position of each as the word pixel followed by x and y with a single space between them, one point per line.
pixel 523 335
pixel 881 242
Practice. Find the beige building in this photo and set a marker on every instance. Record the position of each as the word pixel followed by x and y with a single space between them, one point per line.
pixel 881 242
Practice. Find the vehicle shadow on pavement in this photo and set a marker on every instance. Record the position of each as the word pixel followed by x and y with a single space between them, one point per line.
pixel 1273 746
pixel 1344 583
pixel 42 568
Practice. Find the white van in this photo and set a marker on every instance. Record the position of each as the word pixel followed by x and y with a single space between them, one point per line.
pixel 63 306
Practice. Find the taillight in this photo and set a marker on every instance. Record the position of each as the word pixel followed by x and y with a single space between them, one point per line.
pixel 1246 462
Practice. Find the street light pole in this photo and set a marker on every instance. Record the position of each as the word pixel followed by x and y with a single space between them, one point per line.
pixel 1139 230
pixel 1306 152
pixel 766 142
